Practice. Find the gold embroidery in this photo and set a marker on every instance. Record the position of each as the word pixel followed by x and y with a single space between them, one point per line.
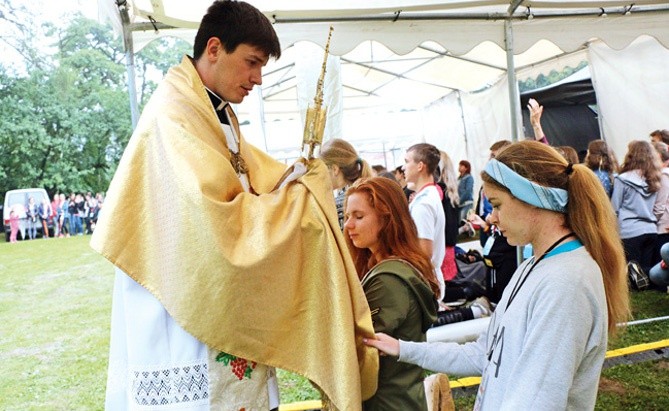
pixel 375 311
pixel 238 163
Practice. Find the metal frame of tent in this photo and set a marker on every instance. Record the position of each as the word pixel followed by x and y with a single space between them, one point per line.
pixel 517 11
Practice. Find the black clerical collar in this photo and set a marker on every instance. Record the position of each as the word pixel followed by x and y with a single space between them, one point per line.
pixel 219 107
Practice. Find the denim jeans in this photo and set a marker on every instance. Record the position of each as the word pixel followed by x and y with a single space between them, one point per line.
pixel 32 228
pixel 76 223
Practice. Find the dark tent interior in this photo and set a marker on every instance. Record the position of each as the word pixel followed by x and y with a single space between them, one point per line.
pixel 569 117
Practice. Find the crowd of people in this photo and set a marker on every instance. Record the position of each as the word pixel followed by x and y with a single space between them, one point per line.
pixel 609 221
pixel 353 280
pixel 533 195
pixel 76 214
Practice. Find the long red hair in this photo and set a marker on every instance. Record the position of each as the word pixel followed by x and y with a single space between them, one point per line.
pixel 398 237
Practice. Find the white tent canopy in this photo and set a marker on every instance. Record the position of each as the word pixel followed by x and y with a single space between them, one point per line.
pixel 436 71
pixel 458 26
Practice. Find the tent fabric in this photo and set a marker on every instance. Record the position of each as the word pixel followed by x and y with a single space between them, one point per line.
pixel 632 86
pixel 401 62
pixel 470 22
pixel 308 65
pixel 550 95
pixel 479 119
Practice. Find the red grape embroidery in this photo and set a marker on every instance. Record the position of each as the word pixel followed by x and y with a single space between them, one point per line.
pixel 240 366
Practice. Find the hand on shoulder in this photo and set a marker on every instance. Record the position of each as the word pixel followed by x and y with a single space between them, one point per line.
pixel 384 343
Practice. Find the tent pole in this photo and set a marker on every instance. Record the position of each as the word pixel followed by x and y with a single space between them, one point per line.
pixel 514 95
pixel 514 98
pixel 385 157
pixel 261 115
pixel 129 63
pixel 464 124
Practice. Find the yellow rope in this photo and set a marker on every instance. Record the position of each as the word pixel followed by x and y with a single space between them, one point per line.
pixel 637 348
pixel 301 406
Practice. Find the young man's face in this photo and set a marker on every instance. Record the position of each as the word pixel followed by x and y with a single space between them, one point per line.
pixel 411 167
pixel 234 74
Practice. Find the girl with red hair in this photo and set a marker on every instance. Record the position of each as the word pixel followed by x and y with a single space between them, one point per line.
pixel 398 280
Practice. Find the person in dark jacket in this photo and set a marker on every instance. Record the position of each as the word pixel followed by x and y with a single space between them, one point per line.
pixel 398 280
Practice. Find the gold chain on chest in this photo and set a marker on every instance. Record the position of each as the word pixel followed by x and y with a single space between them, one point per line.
pixel 238 163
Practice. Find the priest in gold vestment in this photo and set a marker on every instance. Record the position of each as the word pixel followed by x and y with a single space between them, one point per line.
pixel 221 276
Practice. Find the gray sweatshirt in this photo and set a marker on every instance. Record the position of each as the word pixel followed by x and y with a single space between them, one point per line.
pixel 661 206
pixel 545 352
pixel 633 204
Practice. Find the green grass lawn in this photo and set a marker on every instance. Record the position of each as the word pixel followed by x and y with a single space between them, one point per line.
pixel 55 303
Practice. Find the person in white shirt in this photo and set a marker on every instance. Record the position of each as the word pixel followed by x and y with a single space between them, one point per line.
pixel 420 164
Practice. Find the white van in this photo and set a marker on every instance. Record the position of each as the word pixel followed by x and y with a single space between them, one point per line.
pixel 17 200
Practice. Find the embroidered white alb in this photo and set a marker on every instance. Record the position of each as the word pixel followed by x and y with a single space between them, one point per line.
pixel 188 384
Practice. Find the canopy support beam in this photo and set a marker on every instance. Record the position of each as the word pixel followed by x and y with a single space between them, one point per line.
pixel 464 123
pixel 453 56
pixel 514 98
pixel 408 16
pixel 514 95
pixel 129 63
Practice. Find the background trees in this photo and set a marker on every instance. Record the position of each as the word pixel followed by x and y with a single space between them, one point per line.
pixel 64 108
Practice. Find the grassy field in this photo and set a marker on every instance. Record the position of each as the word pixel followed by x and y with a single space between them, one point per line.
pixel 55 302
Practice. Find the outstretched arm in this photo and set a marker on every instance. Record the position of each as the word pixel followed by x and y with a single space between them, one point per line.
pixel 449 358
pixel 536 110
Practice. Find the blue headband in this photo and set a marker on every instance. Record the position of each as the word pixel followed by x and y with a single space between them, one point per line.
pixel 548 198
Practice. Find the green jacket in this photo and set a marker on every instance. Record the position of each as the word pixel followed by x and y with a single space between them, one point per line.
pixel 404 307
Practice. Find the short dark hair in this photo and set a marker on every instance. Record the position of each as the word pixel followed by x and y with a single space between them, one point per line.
pixel 378 168
pixel 467 165
pixel 387 174
pixel 428 154
pixel 663 149
pixel 663 135
pixel 499 144
pixel 234 23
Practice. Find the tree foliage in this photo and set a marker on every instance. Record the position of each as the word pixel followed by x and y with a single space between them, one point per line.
pixel 18 31
pixel 65 122
pixel 553 77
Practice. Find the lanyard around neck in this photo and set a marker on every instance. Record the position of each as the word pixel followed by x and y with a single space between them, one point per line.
pixel 521 282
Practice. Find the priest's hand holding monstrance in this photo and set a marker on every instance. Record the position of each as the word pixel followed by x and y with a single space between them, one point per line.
pixel 314 126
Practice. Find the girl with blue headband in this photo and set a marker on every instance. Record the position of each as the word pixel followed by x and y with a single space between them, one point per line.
pixel 550 328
